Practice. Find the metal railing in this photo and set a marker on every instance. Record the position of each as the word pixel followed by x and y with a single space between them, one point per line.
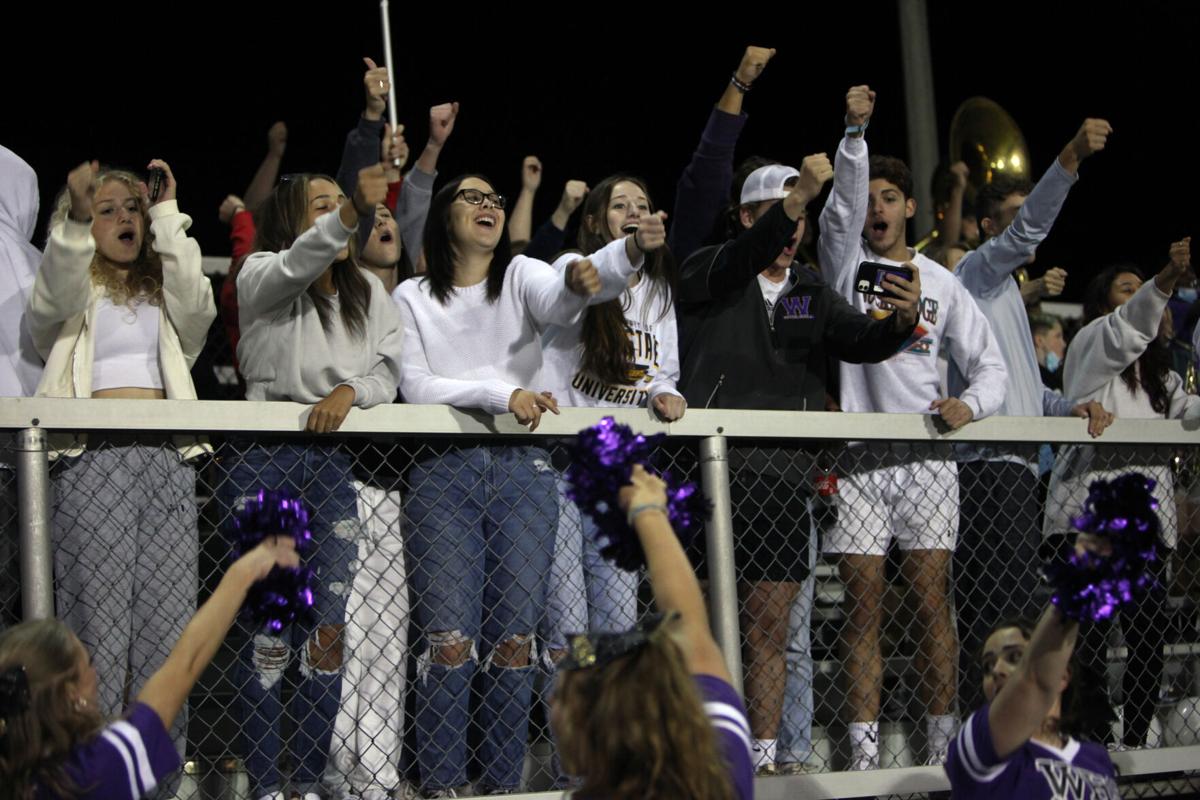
pixel 708 437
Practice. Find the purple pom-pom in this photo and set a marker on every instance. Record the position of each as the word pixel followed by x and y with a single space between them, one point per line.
pixel 286 594
pixel 602 459
pixel 1092 587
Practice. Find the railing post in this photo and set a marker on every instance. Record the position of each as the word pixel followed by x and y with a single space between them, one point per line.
pixel 722 580
pixel 33 501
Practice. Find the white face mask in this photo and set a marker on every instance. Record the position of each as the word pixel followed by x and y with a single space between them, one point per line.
pixel 1053 362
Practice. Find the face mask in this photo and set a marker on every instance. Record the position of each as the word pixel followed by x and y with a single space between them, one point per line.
pixel 1187 294
pixel 1053 362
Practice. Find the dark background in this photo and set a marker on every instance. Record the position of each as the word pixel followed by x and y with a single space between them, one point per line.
pixel 596 88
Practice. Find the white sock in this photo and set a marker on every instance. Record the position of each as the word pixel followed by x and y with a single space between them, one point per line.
pixel 864 745
pixel 764 751
pixel 938 730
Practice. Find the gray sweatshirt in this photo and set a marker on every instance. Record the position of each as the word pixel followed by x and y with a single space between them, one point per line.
pixel 286 354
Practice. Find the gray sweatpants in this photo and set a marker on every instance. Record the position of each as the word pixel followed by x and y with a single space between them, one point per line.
pixel 125 562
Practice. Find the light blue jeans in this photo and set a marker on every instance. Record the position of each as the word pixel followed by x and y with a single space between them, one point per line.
pixel 795 725
pixel 483 522
pixel 586 592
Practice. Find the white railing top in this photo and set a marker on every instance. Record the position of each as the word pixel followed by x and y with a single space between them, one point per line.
pixel 210 416
pixel 912 780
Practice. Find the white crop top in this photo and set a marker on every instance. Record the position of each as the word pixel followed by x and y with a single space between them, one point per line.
pixel 126 346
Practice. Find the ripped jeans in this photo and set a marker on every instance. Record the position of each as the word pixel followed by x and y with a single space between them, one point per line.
pixel 483 521
pixel 320 476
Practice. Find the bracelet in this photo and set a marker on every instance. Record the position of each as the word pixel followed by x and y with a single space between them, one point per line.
pixel 853 129
pixel 638 509
pixel 741 87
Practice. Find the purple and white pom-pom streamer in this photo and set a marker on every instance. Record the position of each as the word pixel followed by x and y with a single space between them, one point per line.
pixel 286 594
pixel 1091 587
pixel 602 459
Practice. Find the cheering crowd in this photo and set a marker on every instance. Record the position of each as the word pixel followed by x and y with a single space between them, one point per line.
pixel 382 284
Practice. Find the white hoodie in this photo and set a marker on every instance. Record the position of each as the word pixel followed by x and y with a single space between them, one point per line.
pixel 908 382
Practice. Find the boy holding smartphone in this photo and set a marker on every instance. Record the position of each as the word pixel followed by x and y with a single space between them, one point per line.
pixel 902 491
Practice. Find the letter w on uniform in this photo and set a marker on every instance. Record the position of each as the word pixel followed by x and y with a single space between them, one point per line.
pixel 796 307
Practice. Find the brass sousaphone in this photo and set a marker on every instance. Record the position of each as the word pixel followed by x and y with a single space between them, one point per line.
pixel 986 138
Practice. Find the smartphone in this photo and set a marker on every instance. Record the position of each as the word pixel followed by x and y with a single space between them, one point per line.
pixel 157 179
pixel 870 277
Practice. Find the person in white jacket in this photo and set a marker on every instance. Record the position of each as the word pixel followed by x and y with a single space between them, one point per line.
pixel 483 519
pixel 902 492
pixel 320 330
pixel 1120 359
pixel 20 365
pixel 120 309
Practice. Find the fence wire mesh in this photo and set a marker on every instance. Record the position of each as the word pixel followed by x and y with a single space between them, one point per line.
pixel 869 579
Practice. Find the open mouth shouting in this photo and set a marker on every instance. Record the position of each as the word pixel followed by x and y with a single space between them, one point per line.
pixel 877 230
pixel 487 219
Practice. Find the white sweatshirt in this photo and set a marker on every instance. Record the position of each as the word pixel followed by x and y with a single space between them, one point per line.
pixel 473 353
pixel 908 382
pixel 285 353
pixel 1098 355
pixel 650 324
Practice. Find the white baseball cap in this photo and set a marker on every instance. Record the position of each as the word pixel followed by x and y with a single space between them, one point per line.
pixel 767 183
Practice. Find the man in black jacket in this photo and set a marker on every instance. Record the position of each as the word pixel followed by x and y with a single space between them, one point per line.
pixel 757 332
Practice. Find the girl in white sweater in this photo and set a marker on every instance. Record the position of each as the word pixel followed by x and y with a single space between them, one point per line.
pixel 483 518
pixel 624 355
pixel 1120 360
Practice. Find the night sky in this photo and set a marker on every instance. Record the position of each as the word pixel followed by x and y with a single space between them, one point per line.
pixel 601 87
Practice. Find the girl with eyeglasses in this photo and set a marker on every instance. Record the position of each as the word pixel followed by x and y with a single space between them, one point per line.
pixel 483 518
pixel 320 330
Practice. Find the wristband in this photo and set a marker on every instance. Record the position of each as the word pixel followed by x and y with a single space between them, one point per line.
pixel 856 129
pixel 638 509
pixel 741 87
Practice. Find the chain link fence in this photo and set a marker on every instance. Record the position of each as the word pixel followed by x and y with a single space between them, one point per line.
pixel 867 576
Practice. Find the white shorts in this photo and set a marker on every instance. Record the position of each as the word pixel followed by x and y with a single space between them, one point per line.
pixel 916 503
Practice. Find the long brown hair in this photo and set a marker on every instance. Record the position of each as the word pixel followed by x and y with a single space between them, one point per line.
pixel 37 742
pixel 607 350
pixel 144 277
pixel 281 219
pixel 1149 372
pixel 635 729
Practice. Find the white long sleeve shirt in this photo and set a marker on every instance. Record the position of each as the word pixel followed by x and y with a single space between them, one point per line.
pixel 1098 355
pixel 908 382
pixel 286 354
pixel 650 325
pixel 20 366
pixel 473 353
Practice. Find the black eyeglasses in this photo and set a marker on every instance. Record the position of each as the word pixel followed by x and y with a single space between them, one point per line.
pixel 475 197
